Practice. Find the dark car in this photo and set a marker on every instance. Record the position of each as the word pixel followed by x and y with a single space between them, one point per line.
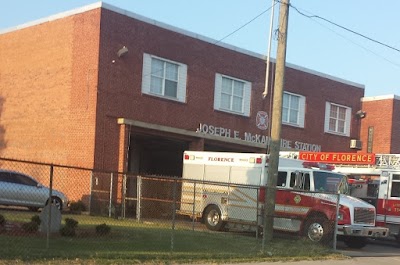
pixel 18 189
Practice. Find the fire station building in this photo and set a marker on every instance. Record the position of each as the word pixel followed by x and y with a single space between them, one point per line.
pixel 100 87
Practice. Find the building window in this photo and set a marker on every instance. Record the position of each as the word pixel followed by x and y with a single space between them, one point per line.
pixel 232 95
pixel 293 109
pixel 337 119
pixel 164 78
pixel 395 186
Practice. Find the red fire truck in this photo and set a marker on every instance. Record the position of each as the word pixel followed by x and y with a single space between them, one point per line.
pixel 374 178
pixel 225 191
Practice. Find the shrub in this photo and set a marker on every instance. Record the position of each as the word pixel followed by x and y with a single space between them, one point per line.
pixel 72 223
pixel 30 227
pixel 77 207
pixel 103 229
pixel 2 220
pixel 67 231
pixel 36 219
pixel 69 228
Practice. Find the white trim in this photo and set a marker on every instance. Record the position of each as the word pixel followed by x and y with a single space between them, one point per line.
pixel 347 120
pixel 175 29
pixel 246 95
pixel 395 97
pixel 301 111
pixel 146 78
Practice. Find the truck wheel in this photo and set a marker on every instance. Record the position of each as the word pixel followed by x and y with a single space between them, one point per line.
pixel 397 238
pixel 213 219
pixel 317 229
pixel 355 242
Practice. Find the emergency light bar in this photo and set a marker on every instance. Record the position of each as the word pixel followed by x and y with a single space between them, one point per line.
pixel 188 157
pixel 311 164
pixel 255 160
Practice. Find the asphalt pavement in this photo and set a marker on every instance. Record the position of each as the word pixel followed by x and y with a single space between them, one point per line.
pixel 375 253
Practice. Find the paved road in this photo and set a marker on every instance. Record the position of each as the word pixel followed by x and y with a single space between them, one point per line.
pixel 375 253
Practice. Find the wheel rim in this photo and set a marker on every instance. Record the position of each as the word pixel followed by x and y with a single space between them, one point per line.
pixel 315 232
pixel 57 203
pixel 213 217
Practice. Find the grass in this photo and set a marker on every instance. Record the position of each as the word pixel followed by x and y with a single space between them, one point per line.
pixel 131 242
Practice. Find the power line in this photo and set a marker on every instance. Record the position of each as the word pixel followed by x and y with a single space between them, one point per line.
pixel 342 27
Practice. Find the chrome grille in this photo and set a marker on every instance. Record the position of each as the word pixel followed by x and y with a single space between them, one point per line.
pixel 364 216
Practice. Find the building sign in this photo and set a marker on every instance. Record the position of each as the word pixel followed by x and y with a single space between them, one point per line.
pixel 339 158
pixel 255 138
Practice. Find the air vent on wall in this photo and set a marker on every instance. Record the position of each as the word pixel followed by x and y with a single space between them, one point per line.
pixel 355 144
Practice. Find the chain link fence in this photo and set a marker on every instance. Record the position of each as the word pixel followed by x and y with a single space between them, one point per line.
pixel 119 212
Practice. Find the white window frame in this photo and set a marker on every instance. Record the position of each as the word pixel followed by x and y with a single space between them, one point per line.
pixel 181 79
pixel 300 111
pixel 347 120
pixel 245 110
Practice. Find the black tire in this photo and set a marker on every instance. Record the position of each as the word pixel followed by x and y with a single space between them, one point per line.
pixel 213 219
pixel 318 230
pixel 56 202
pixel 397 238
pixel 355 242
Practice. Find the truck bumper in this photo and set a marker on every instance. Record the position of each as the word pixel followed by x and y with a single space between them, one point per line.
pixel 362 231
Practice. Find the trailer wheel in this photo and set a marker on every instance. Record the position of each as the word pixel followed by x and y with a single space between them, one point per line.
pixel 213 218
pixel 317 229
pixel 355 242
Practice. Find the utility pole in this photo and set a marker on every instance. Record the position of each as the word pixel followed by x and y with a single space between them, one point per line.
pixel 270 189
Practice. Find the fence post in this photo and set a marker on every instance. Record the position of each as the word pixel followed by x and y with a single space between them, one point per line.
pixel 50 203
pixel 173 213
pixel 138 195
pixel 91 191
pixel 123 197
pixel 111 194
pixel 194 204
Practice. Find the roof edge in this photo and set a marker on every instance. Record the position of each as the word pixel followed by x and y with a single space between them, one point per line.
pixel 384 97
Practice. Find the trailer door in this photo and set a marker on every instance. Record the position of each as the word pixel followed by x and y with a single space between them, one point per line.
pixel 243 201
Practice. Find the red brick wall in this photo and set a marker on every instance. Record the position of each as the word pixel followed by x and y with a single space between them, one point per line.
pixel 120 85
pixel 395 140
pixel 47 91
pixel 379 115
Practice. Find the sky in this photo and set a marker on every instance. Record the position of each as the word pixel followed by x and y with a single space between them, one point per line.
pixel 354 40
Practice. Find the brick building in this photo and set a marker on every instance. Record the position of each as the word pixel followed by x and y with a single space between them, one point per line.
pixel 103 88
pixel 380 128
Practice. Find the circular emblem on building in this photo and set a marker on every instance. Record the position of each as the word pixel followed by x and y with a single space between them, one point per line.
pixel 297 199
pixel 262 120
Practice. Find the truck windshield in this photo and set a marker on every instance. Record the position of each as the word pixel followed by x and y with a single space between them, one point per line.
pixel 330 182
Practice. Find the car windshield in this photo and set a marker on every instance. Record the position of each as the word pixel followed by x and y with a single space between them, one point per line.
pixel 331 182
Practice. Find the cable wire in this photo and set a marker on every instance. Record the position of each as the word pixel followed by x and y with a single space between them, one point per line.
pixel 342 27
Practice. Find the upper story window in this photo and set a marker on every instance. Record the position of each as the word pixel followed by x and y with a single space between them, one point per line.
pixel 293 109
pixel 337 119
pixel 164 78
pixel 232 95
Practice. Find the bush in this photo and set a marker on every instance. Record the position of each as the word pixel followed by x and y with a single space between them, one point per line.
pixel 36 219
pixel 69 228
pixel 30 227
pixel 103 229
pixel 2 220
pixel 67 231
pixel 72 223
pixel 77 207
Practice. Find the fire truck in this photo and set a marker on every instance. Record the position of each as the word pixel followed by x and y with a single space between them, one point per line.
pixel 378 184
pixel 226 191
pixel 375 178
